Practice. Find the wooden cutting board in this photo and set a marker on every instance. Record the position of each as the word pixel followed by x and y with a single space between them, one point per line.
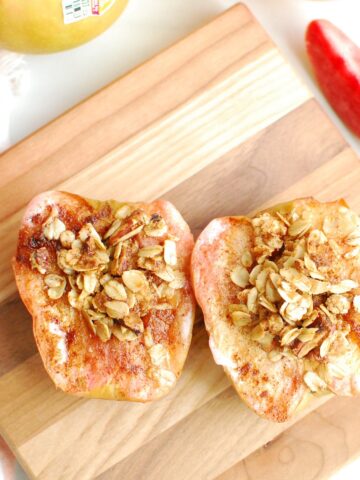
pixel 218 124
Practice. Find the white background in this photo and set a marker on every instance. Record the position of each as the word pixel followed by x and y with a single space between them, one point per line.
pixel 61 80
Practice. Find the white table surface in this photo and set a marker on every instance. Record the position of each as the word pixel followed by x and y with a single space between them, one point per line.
pixel 61 80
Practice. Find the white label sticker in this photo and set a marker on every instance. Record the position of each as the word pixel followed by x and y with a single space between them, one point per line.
pixel 75 10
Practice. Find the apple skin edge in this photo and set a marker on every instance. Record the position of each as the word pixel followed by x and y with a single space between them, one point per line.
pixel 336 63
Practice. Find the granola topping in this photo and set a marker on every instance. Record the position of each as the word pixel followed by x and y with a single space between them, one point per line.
pixel 117 277
pixel 294 297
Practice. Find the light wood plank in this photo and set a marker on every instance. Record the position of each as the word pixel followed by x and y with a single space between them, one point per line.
pixel 335 179
pixel 198 133
pixel 201 445
pixel 260 169
pixel 318 446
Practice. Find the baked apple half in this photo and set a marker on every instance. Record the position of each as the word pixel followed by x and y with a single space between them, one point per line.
pixel 107 285
pixel 281 301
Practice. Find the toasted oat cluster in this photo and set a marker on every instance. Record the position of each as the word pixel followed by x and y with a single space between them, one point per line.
pixel 111 279
pixel 294 295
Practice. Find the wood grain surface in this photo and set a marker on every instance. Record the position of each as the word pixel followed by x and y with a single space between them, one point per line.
pixel 315 448
pixel 218 124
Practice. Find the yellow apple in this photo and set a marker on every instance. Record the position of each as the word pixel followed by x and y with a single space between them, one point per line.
pixel 37 26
